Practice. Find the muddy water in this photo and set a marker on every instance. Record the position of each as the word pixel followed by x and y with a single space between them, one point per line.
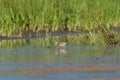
pixel 73 62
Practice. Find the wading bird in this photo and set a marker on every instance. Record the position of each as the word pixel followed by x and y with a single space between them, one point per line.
pixel 61 44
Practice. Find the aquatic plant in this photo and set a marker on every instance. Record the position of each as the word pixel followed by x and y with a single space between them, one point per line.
pixel 110 36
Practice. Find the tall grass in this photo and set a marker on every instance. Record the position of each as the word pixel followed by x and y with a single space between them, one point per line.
pixel 58 14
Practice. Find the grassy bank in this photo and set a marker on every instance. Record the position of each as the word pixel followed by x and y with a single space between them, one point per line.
pixel 52 15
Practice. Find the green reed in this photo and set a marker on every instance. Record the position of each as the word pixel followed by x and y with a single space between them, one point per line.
pixel 57 15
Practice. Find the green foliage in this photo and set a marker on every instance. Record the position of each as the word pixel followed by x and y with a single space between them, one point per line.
pixel 58 14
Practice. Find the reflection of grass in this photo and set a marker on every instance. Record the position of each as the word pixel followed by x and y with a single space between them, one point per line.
pixel 92 38
pixel 52 15
pixel 13 43
pixel 44 55
pixel 43 49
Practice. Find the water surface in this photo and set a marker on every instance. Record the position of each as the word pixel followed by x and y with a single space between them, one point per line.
pixel 33 61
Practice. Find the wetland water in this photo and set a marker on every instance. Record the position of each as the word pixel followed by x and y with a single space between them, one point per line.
pixel 30 60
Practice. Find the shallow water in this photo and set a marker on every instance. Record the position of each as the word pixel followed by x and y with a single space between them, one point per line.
pixel 74 62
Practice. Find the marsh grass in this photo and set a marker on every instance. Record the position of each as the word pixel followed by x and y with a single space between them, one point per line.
pixel 110 36
pixel 52 15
